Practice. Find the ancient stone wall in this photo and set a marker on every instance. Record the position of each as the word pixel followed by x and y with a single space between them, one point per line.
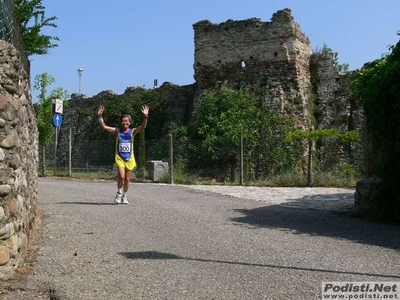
pixel 333 108
pixel 332 94
pixel 272 57
pixel 18 160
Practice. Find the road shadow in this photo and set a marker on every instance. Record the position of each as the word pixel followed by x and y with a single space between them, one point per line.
pixel 155 255
pixel 337 224
pixel 87 203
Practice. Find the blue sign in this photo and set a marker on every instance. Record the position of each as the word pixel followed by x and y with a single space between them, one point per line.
pixel 57 120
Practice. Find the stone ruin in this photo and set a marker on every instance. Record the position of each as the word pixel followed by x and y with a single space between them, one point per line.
pixel 251 54
pixel 273 57
pixel 276 58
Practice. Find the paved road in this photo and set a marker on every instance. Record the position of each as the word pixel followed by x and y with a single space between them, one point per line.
pixel 186 242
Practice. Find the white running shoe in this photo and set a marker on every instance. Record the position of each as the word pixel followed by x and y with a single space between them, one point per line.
pixel 118 198
pixel 124 200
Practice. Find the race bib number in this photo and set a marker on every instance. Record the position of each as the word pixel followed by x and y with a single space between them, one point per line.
pixel 125 147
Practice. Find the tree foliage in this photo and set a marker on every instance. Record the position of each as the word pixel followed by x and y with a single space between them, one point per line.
pixel 320 134
pixel 224 115
pixel 130 104
pixel 44 110
pixel 344 67
pixel 377 87
pixel 31 15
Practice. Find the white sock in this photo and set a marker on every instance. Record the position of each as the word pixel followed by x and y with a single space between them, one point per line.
pixel 124 193
pixel 120 191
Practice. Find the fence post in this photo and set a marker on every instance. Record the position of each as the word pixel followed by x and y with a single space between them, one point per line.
pixel 171 159
pixel 309 178
pixel 241 158
pixel 69 153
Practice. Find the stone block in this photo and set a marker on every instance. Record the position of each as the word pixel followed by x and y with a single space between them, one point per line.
pixel 157 169
pixel 4 255
pixel 365 196
pixel 6 231
pixel 7 273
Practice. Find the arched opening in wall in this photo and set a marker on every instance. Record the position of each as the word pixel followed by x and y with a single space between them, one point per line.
pixel 243 64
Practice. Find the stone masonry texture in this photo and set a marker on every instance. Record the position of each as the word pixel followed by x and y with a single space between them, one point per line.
pixel 251 54
pixel 18 160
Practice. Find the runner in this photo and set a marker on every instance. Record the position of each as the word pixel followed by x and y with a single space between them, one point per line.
pixel 124 154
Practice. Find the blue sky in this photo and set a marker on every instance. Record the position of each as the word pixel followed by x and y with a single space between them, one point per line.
pixel 127 43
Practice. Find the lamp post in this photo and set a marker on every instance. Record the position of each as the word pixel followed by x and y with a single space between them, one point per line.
pixel 80 71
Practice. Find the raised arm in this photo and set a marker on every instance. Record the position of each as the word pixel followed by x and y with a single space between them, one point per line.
pixel 145 111
pixel 103 125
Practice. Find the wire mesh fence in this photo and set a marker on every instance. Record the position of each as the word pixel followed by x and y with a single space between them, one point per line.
pixel 6 20
pixel 195 161
pixel 10 30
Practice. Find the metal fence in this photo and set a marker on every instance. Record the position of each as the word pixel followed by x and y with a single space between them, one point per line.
pixel 193 160
pixel 6 20
pixel 11 32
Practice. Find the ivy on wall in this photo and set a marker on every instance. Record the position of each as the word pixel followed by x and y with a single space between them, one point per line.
pixel 377 88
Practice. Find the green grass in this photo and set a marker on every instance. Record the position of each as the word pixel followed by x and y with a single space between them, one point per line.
pixel 289 179
pixel 81 173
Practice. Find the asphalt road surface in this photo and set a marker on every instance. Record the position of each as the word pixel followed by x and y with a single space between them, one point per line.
pixel 176 242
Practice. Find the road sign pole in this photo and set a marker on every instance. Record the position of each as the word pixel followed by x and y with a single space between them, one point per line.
pixel 55 151
pixel 57 121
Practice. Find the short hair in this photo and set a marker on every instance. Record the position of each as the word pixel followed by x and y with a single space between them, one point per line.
pixel 125 115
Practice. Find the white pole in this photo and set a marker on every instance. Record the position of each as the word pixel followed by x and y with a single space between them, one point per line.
pixel 80 71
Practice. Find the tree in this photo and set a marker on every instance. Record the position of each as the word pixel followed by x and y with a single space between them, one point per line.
pixel 377 87
pixel 313 136
pixel 142 155
pixel 44 113
pixel 225 114
pixel 130 104
pixel 31 15
pixel 44 110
